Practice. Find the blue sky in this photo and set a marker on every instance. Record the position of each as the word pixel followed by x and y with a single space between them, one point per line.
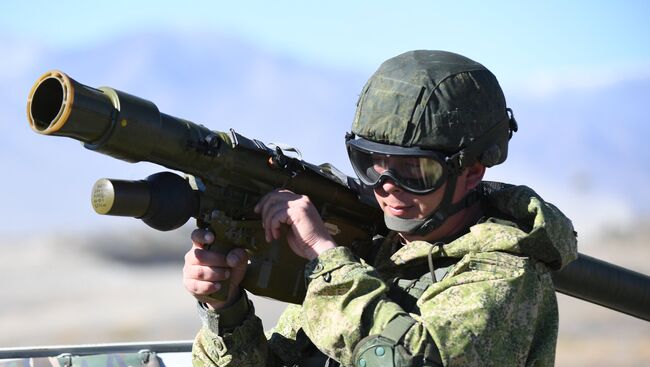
pixel 531 46
pixel 517 39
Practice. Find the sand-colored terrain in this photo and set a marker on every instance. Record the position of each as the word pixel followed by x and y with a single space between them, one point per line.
pixel 62 289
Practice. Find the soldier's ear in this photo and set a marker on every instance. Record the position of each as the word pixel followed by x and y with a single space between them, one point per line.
pixel 473 175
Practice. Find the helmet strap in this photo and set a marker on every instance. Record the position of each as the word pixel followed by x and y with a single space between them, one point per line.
pixel 446 209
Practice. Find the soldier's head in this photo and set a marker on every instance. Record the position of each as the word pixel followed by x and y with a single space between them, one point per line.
pixel 427 124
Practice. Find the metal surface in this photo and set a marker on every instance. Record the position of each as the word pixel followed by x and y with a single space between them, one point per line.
pixel 91 349
pixel 607 285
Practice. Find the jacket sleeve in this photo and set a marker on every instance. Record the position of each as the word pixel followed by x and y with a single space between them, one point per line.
pixel 346 302
pixel 235 337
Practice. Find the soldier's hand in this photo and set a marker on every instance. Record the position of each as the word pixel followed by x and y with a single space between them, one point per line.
pixel 205 270
pixel 308 236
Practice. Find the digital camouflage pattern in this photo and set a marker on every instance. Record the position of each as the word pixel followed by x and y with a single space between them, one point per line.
pixel 434 100
pixel 495 307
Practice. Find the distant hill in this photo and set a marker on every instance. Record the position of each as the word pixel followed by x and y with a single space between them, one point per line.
pixel 583 148
pixel 592 138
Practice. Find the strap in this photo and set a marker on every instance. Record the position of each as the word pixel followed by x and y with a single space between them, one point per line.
pixel 423 226
pixel 320 360
pixel 286 148
pixel 441 272
pixel 397 328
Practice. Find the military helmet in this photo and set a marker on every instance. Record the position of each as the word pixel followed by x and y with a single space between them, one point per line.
pixel 422 118
pixel 436 100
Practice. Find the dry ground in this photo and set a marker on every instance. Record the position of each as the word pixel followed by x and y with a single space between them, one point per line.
pixel 108 288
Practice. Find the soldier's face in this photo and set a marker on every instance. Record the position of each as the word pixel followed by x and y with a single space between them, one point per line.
pixel 397 202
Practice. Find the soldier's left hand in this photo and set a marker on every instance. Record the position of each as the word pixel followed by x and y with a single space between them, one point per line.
pixel 307 236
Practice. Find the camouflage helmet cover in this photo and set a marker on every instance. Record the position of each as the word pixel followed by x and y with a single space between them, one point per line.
pixel 435 100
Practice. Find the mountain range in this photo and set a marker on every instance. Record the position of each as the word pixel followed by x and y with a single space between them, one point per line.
pixel 582 148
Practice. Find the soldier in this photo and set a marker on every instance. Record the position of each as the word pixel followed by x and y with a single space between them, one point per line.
pixel 463 278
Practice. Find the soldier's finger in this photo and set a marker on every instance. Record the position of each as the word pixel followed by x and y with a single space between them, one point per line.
pixel 201 237
pixel 272 198
pixel 276 217
pixel 264 200
pixel 271 215
pixel 237 257
pixel 201 287
pixel 208 258
pixel 207 273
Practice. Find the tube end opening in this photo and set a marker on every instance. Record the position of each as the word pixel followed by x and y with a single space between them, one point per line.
pixel 49 102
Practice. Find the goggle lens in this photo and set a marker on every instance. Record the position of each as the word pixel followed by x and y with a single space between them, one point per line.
pixel 417 174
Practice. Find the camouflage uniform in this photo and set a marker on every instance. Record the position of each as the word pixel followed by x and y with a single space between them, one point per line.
pixel 495 306
pixel 495 303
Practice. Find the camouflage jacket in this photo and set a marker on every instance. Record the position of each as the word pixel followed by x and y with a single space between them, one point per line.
pixel 495 306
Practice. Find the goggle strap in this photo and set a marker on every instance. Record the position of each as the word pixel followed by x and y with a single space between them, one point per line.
pixel 469 154
pixel 403 225
pixel 446 209
pixel 423 226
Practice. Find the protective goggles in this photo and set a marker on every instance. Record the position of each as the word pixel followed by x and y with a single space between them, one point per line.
pixel 416 170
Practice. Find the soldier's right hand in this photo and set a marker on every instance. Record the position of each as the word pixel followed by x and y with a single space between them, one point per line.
pixel 204 270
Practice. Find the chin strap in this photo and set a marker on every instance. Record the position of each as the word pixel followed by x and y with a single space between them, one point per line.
pixel 446 209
